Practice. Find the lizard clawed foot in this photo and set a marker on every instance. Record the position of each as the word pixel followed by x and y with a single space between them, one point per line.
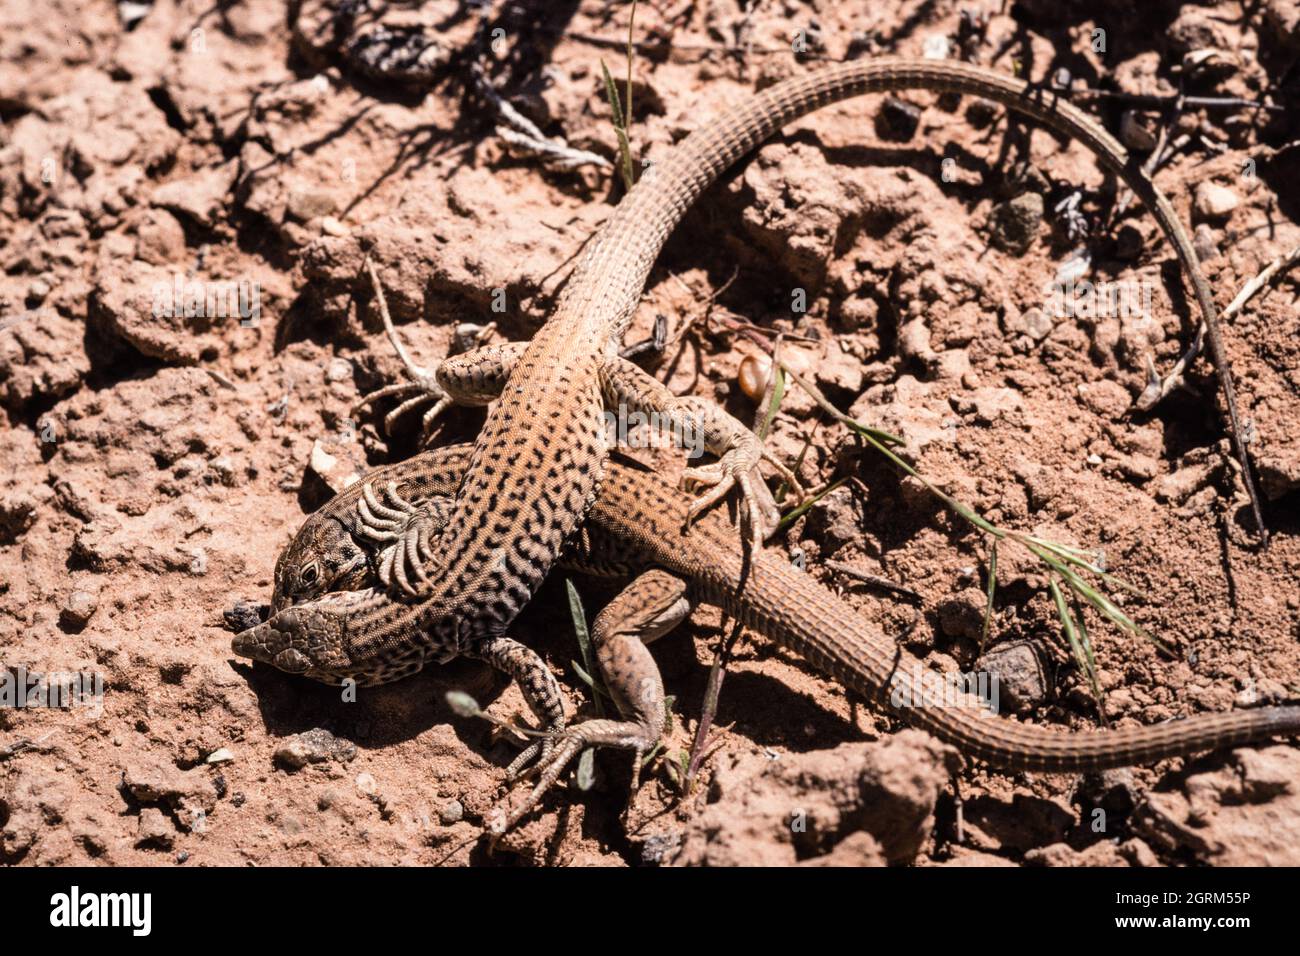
pixel 738 468
pixel 422 387
pixel 406 529
pixel 557 751
pixel 541 749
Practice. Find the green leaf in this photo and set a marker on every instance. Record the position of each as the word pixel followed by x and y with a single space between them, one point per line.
pixel 588 671
pixel 620 128
pixel 778 393
pixel 1079 645
pixel 794 515
pixel 654 752
pixel 586 775
pixel 993 583
pixel 611 93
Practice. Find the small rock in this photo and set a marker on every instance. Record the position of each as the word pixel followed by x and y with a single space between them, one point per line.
pixel 453 811
pixel 365 782
pixel 1138 853
pixel 838 518
pixel 338 370
pixel 1205 242
pixel 1279 473
pixel 78 608
pixel 311 202
pixel 221 755
pixel 1178 486
pixel 963 857
pixel 1112 791
pixel 659 847
pixel 1103 853
pixel 154 829
pixel 914 342
pixel 1021 682
pixel 224 469
pixel 17 514
pixel 987 405
pixel 981 112
pixel 838 370
pixel 160 239
pixel 962 615
pixel 201 196
pixel 1038 324
pixel 189 793
pixel 1139 468
pixel 1016 223
pixel 333 227
pixel 1128 243
pixel 855 850
pixel 37 290
pixel 1214 202
pixel 333 465
pixel 802 807
pixel 243 615
pixel 313 746
pixel 1105 397
pixel 1137 131
pixel 897 120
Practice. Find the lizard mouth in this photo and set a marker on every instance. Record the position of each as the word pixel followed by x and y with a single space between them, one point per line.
pixel 270 649
pixel 251 645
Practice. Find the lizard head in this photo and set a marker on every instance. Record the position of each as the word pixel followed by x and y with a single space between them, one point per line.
pixel 308 639
pixel 322 557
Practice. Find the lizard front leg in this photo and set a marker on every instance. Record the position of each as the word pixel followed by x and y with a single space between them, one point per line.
pixel 474 378
pixel 540 689
pixel 644 611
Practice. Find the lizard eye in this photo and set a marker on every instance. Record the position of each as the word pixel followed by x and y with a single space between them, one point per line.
pixel 309 573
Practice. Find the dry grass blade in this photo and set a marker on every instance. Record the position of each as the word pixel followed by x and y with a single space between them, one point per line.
pixel 989 594
pixel 1060 558
pixel 1080 647
pixel 794 515
pixel 717 672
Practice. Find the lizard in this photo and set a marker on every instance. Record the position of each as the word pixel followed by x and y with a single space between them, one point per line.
pixel 635 529
pixel 539 458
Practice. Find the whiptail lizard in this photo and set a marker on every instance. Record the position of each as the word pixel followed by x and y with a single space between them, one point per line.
pixel 537 464
pixel 635 529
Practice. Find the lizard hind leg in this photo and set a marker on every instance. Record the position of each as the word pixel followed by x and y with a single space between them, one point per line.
pixel 649 607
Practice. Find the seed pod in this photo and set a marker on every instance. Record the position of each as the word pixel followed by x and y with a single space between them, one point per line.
pixel 755 375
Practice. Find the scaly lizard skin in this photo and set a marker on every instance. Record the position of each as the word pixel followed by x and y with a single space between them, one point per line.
pixel 635 529
pixel 537 464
